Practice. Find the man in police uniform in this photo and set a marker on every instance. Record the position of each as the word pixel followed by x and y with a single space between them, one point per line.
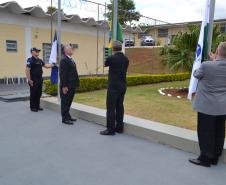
pixel 118 65
pixel 34 78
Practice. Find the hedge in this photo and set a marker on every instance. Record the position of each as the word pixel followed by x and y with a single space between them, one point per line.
pixel 97 83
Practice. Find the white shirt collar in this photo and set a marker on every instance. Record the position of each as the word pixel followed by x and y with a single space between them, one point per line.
pixel 69 56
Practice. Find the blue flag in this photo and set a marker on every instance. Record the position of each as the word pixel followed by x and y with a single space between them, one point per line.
pixel 53 60
pixel 54 75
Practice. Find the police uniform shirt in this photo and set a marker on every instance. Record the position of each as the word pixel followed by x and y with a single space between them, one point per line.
pixel 35 65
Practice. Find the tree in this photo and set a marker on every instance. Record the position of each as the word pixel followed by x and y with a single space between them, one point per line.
pixel 126 11
pixel 181 54
pixel 51 9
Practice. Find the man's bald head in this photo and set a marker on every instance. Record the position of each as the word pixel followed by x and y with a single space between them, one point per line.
pixel 222 50
pixel 117 46
pixel 68 50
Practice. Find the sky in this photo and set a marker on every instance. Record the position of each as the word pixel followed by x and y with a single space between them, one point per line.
pixel 172 11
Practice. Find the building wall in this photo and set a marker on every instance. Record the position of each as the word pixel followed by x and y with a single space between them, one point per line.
pixel 175 30
pixel 162 41
pixel 33 32
pixel 12 63
pixel 146 61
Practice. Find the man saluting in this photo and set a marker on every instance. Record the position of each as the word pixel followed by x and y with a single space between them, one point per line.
pixel 34 77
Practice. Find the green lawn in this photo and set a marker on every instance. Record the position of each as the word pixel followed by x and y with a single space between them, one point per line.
pixel 146 102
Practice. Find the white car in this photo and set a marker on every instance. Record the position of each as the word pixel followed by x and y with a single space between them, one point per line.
pixel 147 41
pixel 129 42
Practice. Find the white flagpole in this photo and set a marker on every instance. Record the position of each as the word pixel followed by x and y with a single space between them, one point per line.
pixel 115 20
pixel 211 21
pixel 59 42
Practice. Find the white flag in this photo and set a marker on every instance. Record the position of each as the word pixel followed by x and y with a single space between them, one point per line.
pixel 53 55
pixel 201 51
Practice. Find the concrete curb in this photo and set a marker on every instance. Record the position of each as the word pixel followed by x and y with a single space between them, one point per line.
pixel 176 137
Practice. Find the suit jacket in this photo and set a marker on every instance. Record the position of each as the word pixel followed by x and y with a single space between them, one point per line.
pixel 210 97
pixel 118 66
pixel 68 73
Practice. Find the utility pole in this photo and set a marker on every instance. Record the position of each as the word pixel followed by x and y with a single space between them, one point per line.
pixel 59 41
pixel 211 21
pixel 115 20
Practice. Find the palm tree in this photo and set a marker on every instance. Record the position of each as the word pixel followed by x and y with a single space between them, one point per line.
pixel 181 54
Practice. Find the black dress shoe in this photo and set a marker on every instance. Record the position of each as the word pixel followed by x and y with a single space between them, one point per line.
pixel 40 109
pixel 107 133
pixel 119 129
pixel 73 119
pixel 34 110
pixel 67 122
pixel 199 162
pixel 214 161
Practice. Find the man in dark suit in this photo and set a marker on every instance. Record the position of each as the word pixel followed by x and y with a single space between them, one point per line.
pixel 69 81
pixel 118 65
pixel 210 103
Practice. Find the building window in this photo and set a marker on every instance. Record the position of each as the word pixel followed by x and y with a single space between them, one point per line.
pixel 162 32
pixel 74 46
pixel 223 28
pixel 172 37
pixel 11 45
pixel 46 50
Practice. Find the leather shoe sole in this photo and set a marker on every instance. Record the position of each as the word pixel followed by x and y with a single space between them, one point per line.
pixel 199 162
pixel 214 161
pixel 119 130
pixel 68 122
pixel 34 110
pixel 73 119
pixel 107 133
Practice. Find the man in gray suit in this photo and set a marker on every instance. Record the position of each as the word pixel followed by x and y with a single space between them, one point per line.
pixel 210 103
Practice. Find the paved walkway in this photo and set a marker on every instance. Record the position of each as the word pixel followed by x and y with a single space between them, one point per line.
pixel 36 149
pixel 13 87
pixel 14 92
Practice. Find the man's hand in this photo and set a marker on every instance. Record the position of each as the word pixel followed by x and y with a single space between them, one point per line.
pixel 55 65
pixel 31 83
pixel 65 90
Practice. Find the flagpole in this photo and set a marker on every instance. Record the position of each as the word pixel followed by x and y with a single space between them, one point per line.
pixel 115 20
pixel 211 21
pixel 59 42
pixel 51 21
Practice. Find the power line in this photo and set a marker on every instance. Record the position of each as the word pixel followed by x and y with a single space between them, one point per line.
pixel 93 7
pixel 129 13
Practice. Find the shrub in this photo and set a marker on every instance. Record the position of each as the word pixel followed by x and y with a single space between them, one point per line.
pixel 50 88
pixel 97 83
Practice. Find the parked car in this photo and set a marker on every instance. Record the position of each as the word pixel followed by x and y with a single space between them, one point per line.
pixel 129 42
pixel 147 41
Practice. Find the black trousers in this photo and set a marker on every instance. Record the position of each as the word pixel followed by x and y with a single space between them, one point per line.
pixel 36 93
pixel 211 135
pixel 66 101
pixel 115 108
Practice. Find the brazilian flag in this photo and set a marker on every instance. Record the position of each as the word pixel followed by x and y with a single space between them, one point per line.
pixel 119 34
